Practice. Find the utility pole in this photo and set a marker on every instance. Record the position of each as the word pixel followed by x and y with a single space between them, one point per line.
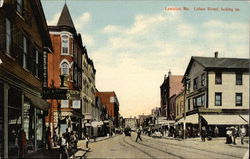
pixel 184 96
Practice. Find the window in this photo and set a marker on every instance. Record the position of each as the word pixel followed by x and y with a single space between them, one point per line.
pixel 218 78
pixel 65 68
pixel 188 86
pixel 199 101
pixel 19 6
pixel 218 99
pixel 238 78
pixel 36 62
pixel 189 105
pixel 65 44
pixel 195 86
pixel 238 99
pixel 25 52
pixel 64 103
pixel 8 36
pixel 203 79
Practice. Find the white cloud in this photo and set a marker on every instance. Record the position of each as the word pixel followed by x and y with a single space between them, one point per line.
pixel 54 19
pixel 133 60
pixel 87 39
pixel 112 29
pixel 82 20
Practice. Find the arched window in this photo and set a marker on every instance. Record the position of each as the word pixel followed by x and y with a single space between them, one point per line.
pixel 64 68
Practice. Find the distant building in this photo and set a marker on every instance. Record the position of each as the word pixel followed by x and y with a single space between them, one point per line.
pixel 217 91
pixel 171 86
pixel 131 122
pixel 111 103
pixel 179 105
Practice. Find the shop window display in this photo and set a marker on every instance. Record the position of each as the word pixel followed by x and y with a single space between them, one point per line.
pixel 29 124
pixel 39 128
pixel 14 120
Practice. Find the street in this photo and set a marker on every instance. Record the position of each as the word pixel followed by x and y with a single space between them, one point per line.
pixel 122 146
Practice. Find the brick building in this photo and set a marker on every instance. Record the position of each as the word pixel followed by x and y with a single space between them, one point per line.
pixel 65 76
pixel 110 101
pixel 171 86
pixel 24 45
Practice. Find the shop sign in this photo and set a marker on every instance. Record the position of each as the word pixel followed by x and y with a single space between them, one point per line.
pixel 54 93
pixel 73 94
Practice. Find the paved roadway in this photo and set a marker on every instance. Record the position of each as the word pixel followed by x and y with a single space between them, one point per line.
pixel 125 147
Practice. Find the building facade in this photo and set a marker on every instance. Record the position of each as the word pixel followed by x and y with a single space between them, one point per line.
pixel 130 122
pixel 171 86
pixel 65 76
pixel 111 103
pixel 217 91
pixel 24 46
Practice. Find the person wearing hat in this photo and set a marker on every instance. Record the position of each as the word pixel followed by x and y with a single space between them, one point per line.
pixel 229 135
pixel 242 133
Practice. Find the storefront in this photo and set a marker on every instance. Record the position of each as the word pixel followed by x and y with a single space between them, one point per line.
pixel 21 108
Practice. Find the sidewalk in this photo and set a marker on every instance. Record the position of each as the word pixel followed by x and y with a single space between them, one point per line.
pixel 82 150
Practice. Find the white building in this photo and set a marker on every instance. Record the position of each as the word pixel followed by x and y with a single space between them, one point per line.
pixel 217 91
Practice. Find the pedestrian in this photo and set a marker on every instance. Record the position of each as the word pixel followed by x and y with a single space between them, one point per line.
pixel 229 135
pixel 234 134
pixel 67 135
pixel 242 133
pixel 55 138
pixel 216 131
pixel 48 138
pixel 203 133
pixel 87 140
pixel 22 143
pixel 63 147
pixel 138 135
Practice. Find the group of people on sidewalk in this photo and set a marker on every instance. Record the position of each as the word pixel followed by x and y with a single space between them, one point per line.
pixel 231 134
pixel 67 142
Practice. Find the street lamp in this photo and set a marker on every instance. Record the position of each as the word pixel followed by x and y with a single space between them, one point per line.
pixel 1 61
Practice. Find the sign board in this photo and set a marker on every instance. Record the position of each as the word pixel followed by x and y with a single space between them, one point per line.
pixel 58 93
pixel 54 93
pixel 76 104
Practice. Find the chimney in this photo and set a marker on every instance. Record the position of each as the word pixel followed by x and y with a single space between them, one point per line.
pixel 216 54
pixel 169 73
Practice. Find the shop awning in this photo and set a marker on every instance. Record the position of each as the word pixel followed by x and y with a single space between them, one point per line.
pixel 72 113
pixel 167 122
pixel 214 119
pixel 192 119
pixel 38 102
pixel 245 117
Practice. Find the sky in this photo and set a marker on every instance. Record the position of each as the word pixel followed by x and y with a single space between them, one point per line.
pixel 134 43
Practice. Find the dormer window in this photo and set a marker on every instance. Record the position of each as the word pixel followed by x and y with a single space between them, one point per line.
pixel 65 45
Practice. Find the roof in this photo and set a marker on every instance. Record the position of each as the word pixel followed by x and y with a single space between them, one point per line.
pixel 211 62
pixel 65 18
